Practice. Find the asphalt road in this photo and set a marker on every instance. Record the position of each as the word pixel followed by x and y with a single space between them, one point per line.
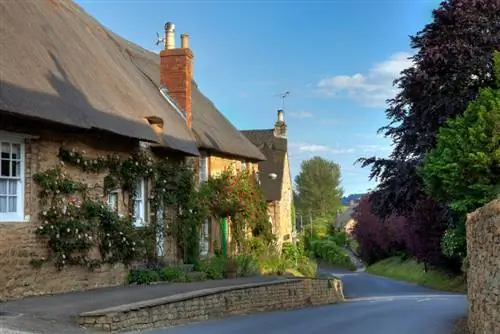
pixel 375 305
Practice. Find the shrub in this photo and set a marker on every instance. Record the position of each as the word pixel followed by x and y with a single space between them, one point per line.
pixel 340 238
pixel 247 266
pixel 328 251
pixel 290 252
pixel 214 267
pixel 307 267
pixel 272 264
pixel 148 276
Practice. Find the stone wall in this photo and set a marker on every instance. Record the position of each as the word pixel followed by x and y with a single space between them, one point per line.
pixel 216 303
pixel 483 276
pixel 285 227
pixel 18 242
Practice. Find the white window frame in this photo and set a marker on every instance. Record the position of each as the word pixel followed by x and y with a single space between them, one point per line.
pixel 243 165
pixel 17 216
pixel 113 194
pixel 140 197
pixel 203 168
pixel 205 237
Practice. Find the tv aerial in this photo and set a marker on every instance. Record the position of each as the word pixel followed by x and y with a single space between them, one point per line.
pixel 283 96
pixel 159 40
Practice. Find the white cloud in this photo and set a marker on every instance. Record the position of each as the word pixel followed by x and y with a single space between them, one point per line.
pixel 374 148
pixel 304 148
pixel 371 89
pixel 301 114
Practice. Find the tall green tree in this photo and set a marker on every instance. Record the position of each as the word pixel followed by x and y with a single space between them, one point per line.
pixel 464 168
pixel 318 188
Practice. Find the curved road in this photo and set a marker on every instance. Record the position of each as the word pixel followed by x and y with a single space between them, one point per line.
pixel 375 305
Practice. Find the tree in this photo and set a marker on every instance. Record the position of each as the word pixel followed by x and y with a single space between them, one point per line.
pixel 318 187
pixel 464 168
pixel 452 62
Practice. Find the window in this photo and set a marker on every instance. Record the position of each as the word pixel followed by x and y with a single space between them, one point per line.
pixel 243 165
pixel 11 178
pixel 203 169
pixel 139 203
pixel 205 237
pixel 160 235
pixel 113 200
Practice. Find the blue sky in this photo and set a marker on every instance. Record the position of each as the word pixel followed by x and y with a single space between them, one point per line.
pixel 337 59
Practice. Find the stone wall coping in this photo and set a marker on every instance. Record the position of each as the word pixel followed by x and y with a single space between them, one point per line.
pixel 186 296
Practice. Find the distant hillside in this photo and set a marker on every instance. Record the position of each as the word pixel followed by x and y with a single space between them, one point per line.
pixel 354 197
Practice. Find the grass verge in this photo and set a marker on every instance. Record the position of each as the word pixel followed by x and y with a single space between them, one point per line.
pixel 411 271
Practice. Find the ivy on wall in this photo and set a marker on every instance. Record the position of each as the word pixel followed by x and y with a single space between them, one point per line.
pixel 237 195
pixel 76 221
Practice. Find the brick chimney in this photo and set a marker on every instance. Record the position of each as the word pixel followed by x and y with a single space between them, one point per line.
pixel 280 125
pixel 176 70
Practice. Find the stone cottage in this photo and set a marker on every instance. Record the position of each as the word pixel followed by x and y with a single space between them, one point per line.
pixel 275 176
pixel 221 145
pixel 67 81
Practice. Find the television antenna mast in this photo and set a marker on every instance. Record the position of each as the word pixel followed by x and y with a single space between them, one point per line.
pixel 283 96
pixel 159 39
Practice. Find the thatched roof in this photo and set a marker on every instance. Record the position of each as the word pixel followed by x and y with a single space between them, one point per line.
pixel 212 129
pixel 57 63
pixel 275 150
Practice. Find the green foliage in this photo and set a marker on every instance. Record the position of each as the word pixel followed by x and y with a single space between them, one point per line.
pixel 247 266
pixel 340 238
pixel 237 195
pixel 454 243
pixel 417 272
pixel 73 224
pixel 148 276
pixel 318 187
pixel 214 267
pixel 329 251
pixel 173 190
pixel 464 168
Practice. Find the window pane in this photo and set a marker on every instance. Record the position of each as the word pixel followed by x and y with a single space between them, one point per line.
pixel 138 189
pixel 3 187
pixel 12 187
pixel 16 151
pixel 5 149
pixel 5 167
pixel 113 201
pixel 12 201
pixel 3 204
pixel 16 168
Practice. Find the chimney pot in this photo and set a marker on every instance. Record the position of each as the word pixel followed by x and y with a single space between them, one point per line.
pixel 185 41
pixel 169 36
pixel 280 115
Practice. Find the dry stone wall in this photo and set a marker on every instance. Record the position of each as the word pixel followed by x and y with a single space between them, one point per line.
pixel 483 276
pixel 216 303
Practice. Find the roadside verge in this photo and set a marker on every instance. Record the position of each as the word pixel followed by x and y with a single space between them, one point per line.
pixel 215 303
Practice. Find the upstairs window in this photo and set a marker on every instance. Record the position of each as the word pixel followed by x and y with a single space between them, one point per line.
pixel 203 169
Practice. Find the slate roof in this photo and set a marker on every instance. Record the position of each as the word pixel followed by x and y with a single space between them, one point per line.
pixel 57 63
pixel 213 131
pixel 275 151
pixel 345 216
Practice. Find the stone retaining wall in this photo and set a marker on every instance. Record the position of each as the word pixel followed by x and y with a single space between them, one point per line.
pixel 216 303
pixel 483 276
